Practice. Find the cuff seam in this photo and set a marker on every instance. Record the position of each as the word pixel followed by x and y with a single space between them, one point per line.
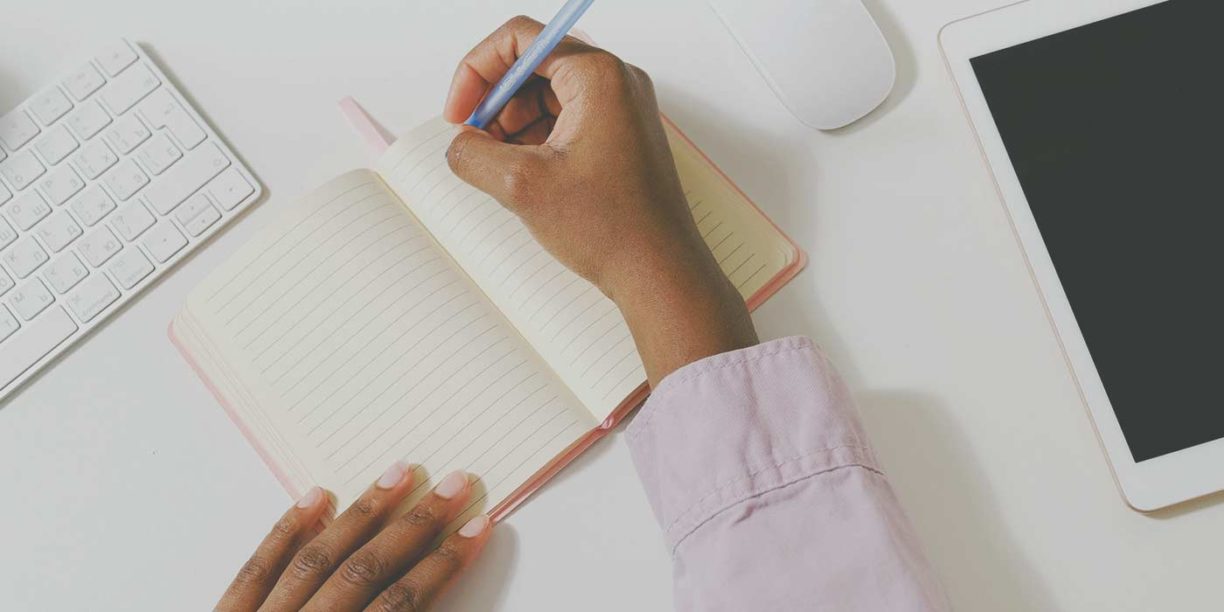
pixel 757 492
pixel 861 456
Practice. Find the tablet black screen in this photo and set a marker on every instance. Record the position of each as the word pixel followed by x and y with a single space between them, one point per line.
pixel 1116 132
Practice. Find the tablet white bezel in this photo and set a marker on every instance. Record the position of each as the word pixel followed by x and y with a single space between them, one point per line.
pixel 1147 485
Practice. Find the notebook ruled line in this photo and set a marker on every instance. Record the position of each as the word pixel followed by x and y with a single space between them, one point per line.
pixel 512 471
pixel 372 358
pixel 396 361
pixel 747 280
pixel 297 283
pixel 576 317
pixel 487 429
pixel 422 379
pixel 741 265
pixel 410 369
pixel 372 319
pixel 340 243
pixel 733 252
pixel 286 234
pixel 377 277
pixel 574 338
pixel 457 371
pixel 506 412
pixel 425 419
pixel 573 281
pixel 424 142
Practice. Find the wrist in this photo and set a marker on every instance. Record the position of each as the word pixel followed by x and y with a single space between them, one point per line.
pixel 680 308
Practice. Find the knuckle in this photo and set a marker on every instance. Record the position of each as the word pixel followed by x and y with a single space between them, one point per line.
pixel 640 76
pixel 519 23
pixel 403 596
pixel 364 568
pixel 365 507
pixel 448 558
pixel 454 154
pixel 421 516
pixel 607 64
pixel 313 561
pixel 520 180
pixel 254 571
pixel 284 528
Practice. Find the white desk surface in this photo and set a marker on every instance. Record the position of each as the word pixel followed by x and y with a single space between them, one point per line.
pixel 125 486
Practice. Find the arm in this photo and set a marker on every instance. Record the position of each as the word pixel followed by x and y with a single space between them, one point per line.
pixel 768 492
pixel 751 455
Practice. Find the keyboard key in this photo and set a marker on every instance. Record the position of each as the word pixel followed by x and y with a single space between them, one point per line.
pixel 125 180
pixel 50 105
pixel 158 154
pixel 27 210
pixel 30 299
pixel 116 57
pixel 88 120
pixel 55 145
pixel 24 257
pixel 60 185
pixel 197 224
pixel 130 267
pixel 92 206
pixel 23 350
pixel 194 205
pixel 94 159
pixel 21 169
pixel 16 129
pixel 58 231
pixel 164 241
pixel 161 110
pixel 132 221
pixel 8 323
pixel 196 168
pixel 64 273
pixel 127 134
pixel 5 194
pixel 229 189
pixel 125 90
pixel 6 282
pixel 84 81
pixel 7 234
pixel 99 246
pixel 92 297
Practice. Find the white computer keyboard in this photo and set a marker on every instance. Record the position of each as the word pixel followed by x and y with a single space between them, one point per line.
pixel 107 178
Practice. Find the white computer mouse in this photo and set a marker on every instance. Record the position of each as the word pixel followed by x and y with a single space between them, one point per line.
pixel 825 59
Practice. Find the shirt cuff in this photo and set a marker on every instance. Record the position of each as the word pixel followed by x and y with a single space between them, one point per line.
pixel 734 426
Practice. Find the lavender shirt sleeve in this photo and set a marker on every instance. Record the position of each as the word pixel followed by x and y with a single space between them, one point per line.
pixel 768 492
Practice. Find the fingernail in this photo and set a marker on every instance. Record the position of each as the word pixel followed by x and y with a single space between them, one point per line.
pixel 475 526
pixel 311 498
pixel 393 476
pixel 452 485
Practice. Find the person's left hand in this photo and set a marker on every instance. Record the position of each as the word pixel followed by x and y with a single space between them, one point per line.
pixel 367 558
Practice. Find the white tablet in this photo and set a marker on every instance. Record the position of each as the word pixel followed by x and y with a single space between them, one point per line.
pixel 1103 121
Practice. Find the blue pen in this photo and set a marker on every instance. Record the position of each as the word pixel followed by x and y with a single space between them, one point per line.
pixel 526 64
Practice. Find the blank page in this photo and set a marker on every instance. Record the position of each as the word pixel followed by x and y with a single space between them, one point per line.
pixel 577 330
pixel 345 339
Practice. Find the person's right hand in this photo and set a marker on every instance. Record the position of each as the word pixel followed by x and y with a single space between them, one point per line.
pixel 581 156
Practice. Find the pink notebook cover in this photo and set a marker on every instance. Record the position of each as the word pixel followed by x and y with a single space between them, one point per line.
pixel 378 140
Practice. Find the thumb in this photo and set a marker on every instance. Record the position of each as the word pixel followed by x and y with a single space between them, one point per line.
pixel 510 173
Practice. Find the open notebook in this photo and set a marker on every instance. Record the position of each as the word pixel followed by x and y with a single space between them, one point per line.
pixel 398 313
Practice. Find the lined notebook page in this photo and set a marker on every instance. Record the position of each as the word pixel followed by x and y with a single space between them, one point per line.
pixel 578 331
pixel 360 343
